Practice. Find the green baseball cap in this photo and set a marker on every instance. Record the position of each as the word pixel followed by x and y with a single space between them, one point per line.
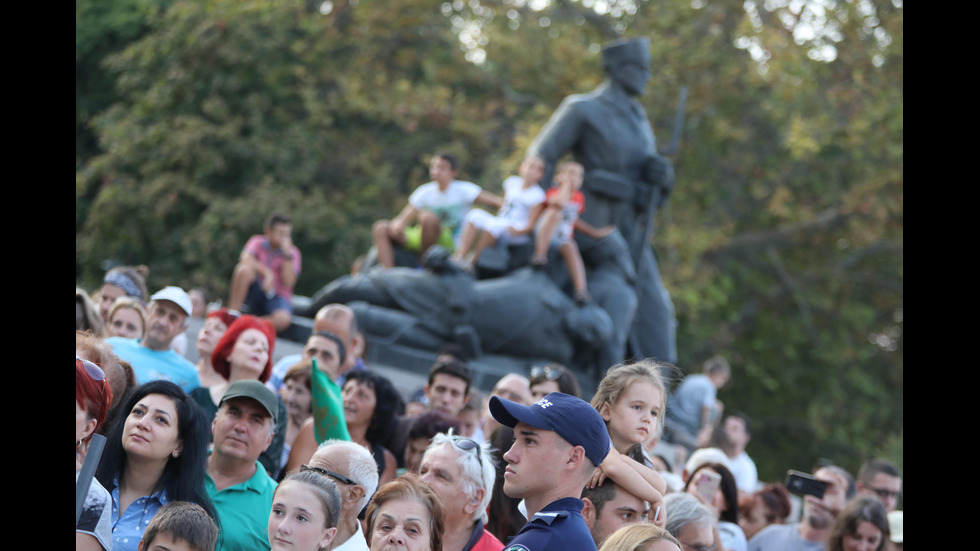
pixel 256 391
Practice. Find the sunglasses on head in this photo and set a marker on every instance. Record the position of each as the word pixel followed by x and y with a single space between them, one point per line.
pixel 330 474
pixel 94 371
pixel 467 445
pixel 550 373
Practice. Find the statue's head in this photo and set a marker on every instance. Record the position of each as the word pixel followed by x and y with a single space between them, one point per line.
pixel 627 62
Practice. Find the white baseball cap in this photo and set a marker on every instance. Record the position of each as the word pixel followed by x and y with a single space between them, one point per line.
pixel 176 295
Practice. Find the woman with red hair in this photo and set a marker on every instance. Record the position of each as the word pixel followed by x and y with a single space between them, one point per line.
pixel 93 396
pixel 245 353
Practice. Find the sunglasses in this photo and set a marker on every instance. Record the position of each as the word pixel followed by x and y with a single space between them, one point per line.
pixel 94 371
pixel 550 373
pixel 467 445
pixel 330 474
pixel 883 493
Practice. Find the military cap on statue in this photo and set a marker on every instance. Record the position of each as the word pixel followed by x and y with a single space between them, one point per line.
pixel 626 50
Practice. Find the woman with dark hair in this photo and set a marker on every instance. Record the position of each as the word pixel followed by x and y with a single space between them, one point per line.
pixel 861 526
pixel 371 403
pixel 93 396
pixel 767 505
pixel 296 393
pixel 155 452
pixel 420 434
pixel 546 379
pixel 504 518
pixel 244 352
pixel 724 503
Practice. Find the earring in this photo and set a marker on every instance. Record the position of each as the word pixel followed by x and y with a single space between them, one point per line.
pixel 78 443
pixel 176 454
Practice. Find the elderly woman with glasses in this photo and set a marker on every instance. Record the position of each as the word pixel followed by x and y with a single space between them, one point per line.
pixel 93 396
pixel 462 473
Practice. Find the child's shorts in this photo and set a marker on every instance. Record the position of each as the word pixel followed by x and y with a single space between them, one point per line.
pixel 496 226
pixel 413 239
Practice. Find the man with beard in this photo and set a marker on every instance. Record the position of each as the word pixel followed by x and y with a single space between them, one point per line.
pixel 814 529
pixel 152 357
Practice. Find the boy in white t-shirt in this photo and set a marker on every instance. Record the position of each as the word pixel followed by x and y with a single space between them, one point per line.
pixel 481 229
pixel 434 213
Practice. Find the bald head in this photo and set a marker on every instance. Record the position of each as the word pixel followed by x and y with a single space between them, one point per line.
pixel 339 319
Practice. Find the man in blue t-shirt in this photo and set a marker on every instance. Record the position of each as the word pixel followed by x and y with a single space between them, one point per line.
pixel 152 357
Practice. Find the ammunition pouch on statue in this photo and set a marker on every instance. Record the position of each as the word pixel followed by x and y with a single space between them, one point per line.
pixel 609 184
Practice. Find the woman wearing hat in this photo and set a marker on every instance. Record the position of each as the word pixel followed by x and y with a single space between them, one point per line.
pixel 245 353
pixel 122 281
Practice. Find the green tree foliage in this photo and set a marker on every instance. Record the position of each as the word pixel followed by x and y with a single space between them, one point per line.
pixel 781 245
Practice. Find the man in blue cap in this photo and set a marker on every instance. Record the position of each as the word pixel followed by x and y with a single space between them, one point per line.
pixel 558 442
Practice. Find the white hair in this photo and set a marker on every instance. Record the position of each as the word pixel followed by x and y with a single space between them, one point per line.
pixel 361 466
pixel 477 472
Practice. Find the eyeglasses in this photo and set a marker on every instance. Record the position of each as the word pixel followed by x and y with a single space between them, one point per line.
pixel 466 445
pixel 883 493
pixel 331 474
pixel 550 373
pixel 94 371
pixel 699 547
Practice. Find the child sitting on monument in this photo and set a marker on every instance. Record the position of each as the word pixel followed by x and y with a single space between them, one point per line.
pixel 556 220
pixel 433 215
pixel 481 229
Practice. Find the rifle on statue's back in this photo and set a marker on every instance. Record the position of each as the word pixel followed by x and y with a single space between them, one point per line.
pixel 658 174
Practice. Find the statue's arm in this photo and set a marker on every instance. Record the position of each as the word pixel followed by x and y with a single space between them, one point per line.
pixel 559 134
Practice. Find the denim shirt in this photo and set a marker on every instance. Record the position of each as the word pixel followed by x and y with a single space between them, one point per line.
pixel 127 530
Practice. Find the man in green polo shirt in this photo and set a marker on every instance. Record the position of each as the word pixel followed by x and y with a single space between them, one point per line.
pixel 236 482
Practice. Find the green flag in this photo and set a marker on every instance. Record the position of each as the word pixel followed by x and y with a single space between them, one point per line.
pixel 328 408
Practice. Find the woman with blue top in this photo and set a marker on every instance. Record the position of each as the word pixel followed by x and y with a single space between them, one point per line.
pixel 155 453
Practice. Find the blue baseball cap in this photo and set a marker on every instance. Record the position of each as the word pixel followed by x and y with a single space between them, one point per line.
pixel 570 417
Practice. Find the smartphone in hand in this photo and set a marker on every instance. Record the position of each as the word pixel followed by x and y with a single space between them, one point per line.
pixel 803 484
pixel 707 485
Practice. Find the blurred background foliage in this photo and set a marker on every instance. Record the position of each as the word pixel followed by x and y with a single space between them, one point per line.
pixel 781 245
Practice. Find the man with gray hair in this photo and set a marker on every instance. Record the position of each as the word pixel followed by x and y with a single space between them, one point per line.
pixel 462 473
pixel 153 356
pixel 352 467
pixel 691 522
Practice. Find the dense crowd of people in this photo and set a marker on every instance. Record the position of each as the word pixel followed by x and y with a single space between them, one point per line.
pixel 316 451
pixel 217 456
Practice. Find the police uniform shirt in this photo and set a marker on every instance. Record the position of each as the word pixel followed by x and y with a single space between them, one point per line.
pixel 557 527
